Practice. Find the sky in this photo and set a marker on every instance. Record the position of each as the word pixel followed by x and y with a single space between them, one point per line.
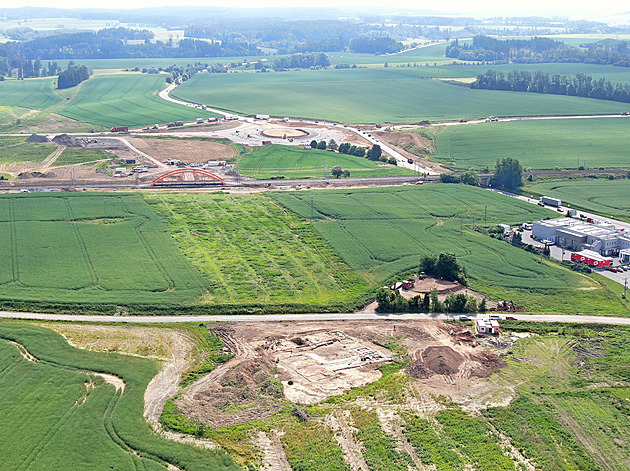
pixel 568 8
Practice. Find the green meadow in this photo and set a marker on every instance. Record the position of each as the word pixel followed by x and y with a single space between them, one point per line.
pixel 370 95
pixel 537 144
pixel 293 162
pixel 16 149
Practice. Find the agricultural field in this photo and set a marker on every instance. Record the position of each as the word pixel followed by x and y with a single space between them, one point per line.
pixel 91 250
pixel 384 232
pixel 537 144
pixel 35 94
pixel 372 95
pixel 105 101
pixel 252 252
pixel 602 196
pixel 16 149
pixel 293 162
pixel 550 397
pixel 126 99
pixel 80 408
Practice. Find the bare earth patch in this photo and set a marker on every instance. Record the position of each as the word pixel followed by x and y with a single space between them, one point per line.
pixel 186 150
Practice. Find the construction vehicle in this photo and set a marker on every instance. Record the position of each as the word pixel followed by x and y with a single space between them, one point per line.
pixel 120 129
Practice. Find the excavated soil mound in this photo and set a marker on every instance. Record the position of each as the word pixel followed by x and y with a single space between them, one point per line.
pixel 68 141
pixel 247 392
pixel 284 132
pixel 410 141
pixel 37 138
pixel 488 363
pixel 441 360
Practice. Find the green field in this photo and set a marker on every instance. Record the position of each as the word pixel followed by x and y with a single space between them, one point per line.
pixel 90 249
pixel 384 232
pixel 253 252
pixel 71 156
pixel 16 149
pixel 295 162
pixel 602 196
pixel 105 100
pixel 36 94
pixel 372 96
pixel 126 99
pixel 537 144
pixel 57 409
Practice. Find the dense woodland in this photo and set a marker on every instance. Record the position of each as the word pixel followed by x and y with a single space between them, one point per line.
pixel 538 50
pixel 555 84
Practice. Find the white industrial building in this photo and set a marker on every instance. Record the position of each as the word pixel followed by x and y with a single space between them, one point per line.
pixel 624 256
pixel 578 235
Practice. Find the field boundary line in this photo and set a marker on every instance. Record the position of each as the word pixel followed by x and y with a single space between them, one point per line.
pixel 138 229
pixel 13 234
pixel 84 250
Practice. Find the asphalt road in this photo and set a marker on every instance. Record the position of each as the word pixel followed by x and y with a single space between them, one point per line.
pixel 306 317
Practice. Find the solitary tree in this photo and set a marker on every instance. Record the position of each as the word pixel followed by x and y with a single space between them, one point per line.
pixel 336 171
pixel 332 145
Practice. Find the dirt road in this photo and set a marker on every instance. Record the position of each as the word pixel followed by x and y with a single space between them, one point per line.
pixel 305 317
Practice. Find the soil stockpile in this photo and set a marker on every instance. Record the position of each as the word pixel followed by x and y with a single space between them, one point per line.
pixel 37 138
pixel 488 363
pixel 441 360
pixel 67 140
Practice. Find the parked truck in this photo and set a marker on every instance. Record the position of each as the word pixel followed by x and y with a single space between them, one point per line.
pixel 549 201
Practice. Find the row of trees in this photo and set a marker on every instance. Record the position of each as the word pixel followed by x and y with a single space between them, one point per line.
pixel 393 301
pixel 382 45
pixel 73 76
pixel 542 82
pixel 302 61
pixel 538 50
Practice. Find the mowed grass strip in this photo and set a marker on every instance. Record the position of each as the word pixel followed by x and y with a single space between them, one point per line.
pixel 373 95
pixel 16 149
pixel 295 162
pixel 252 250
pixel 126 100
pixel 599 195
pixel 384 232
pixel 56 410
pixel 537 144
pixel 91 249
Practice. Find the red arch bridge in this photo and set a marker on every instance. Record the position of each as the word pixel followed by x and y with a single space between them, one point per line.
pixel 188 177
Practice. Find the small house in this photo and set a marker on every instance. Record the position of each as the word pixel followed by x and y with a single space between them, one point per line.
pixel 484 326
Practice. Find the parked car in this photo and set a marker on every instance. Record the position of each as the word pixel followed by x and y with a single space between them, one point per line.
pixel 510 318
pixel 464 318
pixel 494 317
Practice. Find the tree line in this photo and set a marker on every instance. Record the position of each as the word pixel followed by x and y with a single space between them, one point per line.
pixel 581 85
pixel 538 50
pixel 302 61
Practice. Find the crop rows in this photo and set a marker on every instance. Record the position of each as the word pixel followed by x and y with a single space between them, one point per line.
pixel 90 248
pixel 55 411
pixel 384 232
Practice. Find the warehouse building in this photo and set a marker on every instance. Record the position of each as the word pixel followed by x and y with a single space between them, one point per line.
pixel 577 235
